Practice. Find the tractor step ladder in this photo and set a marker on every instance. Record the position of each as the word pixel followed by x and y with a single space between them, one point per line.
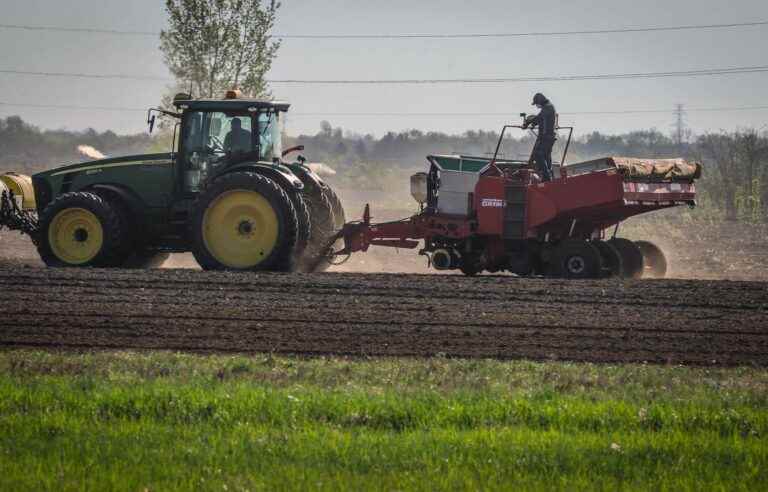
pixel 515 211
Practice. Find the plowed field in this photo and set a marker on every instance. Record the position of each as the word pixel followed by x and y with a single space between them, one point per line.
pixel 670 321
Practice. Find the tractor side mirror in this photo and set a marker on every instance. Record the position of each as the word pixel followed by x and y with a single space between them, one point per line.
pixel 151 123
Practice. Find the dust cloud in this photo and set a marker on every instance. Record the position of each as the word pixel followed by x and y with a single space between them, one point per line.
pixel 321 169
pixel 89 151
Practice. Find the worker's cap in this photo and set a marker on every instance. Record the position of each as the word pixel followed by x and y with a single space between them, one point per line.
pixel 539 98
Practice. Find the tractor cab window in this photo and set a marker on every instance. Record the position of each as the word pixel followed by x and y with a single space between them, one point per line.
pixel 212 135
pixel 270 136
pixel 210 140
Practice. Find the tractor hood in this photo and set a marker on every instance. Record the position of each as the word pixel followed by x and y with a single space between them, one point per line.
pixel 125 161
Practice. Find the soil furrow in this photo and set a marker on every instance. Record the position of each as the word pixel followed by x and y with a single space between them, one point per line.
pixel 662 321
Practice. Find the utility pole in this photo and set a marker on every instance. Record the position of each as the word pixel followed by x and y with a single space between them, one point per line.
pixel 679 126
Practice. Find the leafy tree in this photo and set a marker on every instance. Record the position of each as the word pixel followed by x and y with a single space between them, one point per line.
pixel 216 45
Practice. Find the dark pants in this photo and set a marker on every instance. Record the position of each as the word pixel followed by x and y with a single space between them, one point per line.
pixel 542 157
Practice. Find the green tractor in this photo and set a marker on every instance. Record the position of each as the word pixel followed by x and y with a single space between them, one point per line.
pixel 226 193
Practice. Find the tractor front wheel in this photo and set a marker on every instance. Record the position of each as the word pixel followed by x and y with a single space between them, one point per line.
pixel 80 230
pixel 244 221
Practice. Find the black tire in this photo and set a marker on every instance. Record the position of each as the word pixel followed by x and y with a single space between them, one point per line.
pixel 471 265
pixel 305 223
pixel 574 258
pixel 281 255
pixel 631 257
pixel 108 254
pixel 613 266
pixel 654 262
pixel 339 217
pixel 323 228
pixel 323 220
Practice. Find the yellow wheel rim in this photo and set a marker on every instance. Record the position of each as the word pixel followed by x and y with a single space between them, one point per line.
pixel 240 229
pixel 76 236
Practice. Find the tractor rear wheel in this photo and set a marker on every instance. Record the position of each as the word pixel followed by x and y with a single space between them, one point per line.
pixel 323 227
pixel 631 257
pixel 655 264
pixel 80 230
pixel 304 233
pixel 612 262
pixel 244 221
pixel 339 218
pixel 575 258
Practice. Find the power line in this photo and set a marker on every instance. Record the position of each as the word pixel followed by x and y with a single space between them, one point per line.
pixel 496 80
pixel 86 75
pixel 81 30
pixel 523 34
pixel 408 114
pixel 85 30
pixel 559 78
pixel 73 107
pixel 565 113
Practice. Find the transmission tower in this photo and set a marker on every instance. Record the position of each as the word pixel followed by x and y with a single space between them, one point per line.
pixel 679 125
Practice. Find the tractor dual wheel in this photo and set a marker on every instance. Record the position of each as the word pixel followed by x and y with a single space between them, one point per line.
pixel 245 221
pixel 631 257
pixel 654 262
pixel 323 228
pixel 338 210
pixel 575 258
pixel 80 230
pixel 305 224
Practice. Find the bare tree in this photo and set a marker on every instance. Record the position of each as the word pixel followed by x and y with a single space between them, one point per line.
pixel 752 151
pixel 216 45
pixel 722 150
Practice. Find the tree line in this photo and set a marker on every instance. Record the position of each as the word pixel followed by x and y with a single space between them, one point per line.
pixel 27 149
pixel 735 180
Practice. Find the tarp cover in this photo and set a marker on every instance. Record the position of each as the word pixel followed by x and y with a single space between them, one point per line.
pixel 657 169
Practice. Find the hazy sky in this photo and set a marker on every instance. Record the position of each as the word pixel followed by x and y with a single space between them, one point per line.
pixel 414 58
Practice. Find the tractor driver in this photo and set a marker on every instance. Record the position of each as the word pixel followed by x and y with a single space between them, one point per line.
pixel 546 121
pixel 238 139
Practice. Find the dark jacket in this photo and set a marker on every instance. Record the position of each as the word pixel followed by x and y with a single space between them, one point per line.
pixel 546 121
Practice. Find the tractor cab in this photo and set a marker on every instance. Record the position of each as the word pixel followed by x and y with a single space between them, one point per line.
pixel 216 134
